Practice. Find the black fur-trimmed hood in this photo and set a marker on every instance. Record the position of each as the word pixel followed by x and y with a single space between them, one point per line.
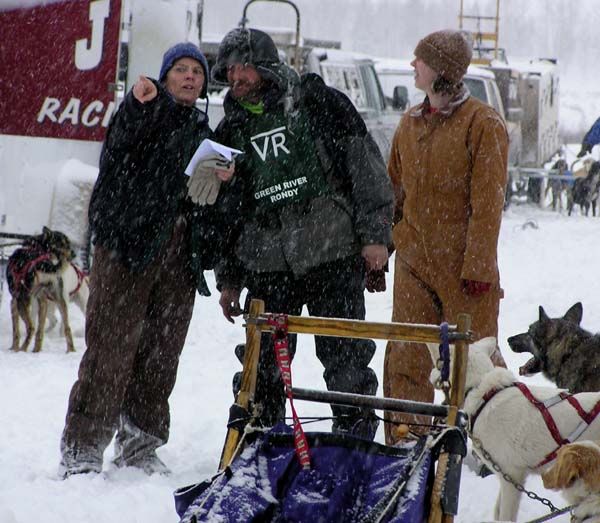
pixel 251 47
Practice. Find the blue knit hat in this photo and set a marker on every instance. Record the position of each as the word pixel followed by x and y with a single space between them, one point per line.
pixel 184 49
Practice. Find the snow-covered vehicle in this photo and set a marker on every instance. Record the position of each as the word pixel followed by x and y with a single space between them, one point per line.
pixel 354 74
pixel 64 69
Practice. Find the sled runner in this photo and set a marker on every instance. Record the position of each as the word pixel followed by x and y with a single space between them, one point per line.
pixel 284 474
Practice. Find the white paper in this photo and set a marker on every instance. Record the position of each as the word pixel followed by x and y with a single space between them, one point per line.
pixel 207 149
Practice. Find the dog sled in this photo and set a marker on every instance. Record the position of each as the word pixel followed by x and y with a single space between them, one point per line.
pixel 284 474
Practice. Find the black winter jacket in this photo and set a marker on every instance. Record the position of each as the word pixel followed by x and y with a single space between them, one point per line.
pixel 141 187
pixel 357 213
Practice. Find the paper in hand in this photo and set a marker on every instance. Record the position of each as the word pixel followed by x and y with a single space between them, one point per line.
pixel 208 149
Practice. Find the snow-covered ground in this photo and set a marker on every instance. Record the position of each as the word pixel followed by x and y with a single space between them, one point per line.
pixel 545 258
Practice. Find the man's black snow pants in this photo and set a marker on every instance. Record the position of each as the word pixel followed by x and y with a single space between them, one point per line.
pixel 333 290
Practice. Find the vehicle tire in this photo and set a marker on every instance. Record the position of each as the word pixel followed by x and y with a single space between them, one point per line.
pixel 509 192
pixel 534 190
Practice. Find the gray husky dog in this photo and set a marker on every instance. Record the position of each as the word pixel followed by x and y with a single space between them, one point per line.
pixel 564 352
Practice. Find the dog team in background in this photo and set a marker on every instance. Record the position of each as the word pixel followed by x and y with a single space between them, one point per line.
pixel 320 244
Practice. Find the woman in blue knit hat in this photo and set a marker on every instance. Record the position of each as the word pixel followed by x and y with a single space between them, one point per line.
pixel 151 246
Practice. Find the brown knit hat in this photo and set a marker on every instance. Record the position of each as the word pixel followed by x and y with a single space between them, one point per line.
pixel 447 53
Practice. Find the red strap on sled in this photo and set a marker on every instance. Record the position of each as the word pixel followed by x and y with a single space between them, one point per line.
pixel 282 354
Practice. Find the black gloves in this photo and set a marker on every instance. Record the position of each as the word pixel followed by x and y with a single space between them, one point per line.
pixel 375 280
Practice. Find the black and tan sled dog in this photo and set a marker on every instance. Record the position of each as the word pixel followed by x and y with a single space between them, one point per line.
pixel 34 272
pixel 564 352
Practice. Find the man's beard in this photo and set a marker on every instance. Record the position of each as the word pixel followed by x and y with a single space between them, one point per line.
pixel 250 92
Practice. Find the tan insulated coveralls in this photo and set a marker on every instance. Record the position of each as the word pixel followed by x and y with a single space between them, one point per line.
pixel 449 174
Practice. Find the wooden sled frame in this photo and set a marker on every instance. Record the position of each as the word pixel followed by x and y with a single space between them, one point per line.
pixel 459 334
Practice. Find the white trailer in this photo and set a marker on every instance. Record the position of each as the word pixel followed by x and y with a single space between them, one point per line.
pixel 539 93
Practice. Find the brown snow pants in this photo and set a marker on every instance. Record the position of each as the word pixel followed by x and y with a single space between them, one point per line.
pixel 136 325
pixel 419 298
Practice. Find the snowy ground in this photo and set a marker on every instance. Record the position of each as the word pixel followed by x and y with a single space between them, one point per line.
pixel 552 263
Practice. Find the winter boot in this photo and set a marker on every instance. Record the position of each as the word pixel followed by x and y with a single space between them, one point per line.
pixel 363 425
pixel 239 350
pixel 136 448
pixel 79 461
pixel 149 462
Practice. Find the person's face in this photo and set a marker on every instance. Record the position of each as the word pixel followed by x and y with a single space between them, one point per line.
pixel 424 75
pixel 185 80
pixel 244 82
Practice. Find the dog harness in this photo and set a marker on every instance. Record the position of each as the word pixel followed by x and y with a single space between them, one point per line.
pixel 19 275
pixel 586 417
pixel 81 276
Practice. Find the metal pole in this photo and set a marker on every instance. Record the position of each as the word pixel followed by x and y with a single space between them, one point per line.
pixel 374 402
pixel 497 28
pixel 244 21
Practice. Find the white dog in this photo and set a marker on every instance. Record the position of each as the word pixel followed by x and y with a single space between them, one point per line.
pixel 521 438
pixel 577 473
pixel 76 290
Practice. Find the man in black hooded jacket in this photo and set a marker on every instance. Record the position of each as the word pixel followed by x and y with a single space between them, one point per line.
pixel 316 212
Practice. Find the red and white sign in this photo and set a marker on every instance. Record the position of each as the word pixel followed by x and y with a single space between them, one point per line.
pixel 57 62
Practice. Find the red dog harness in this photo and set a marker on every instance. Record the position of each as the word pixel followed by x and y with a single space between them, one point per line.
pixel 19 275
pixel 80 277
pixel 586 417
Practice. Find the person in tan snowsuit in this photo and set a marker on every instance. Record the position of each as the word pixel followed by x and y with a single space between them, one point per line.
pixel 448 167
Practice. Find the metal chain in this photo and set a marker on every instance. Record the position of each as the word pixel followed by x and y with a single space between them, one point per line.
pixel 506 477
pixel 552 515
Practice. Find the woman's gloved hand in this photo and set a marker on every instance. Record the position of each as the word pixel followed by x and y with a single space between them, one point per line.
pixel 205 182
pixel 476 288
